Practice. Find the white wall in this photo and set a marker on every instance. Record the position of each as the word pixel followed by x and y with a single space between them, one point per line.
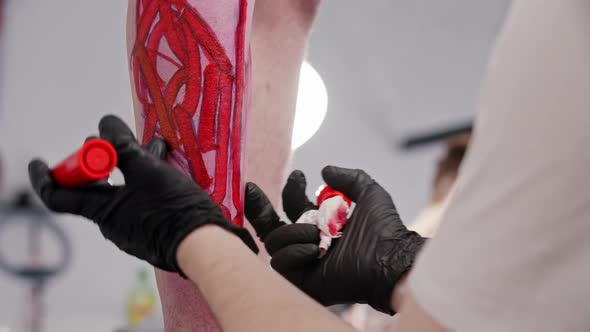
pixel 391 67
pixel 64 66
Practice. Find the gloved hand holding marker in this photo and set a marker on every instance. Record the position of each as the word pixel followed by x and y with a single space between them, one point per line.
pixel 149 215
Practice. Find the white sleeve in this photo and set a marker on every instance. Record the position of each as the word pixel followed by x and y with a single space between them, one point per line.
pixel 513 249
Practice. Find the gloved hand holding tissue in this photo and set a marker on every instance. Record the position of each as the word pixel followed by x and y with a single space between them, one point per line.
pixel 329 218
pixel 332 258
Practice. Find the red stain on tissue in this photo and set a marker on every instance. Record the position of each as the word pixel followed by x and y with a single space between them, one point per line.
pixel 337 222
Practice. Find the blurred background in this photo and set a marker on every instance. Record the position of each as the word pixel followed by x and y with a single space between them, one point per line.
pixel 391 69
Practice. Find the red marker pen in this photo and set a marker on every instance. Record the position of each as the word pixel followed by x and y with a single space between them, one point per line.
pixel 94 161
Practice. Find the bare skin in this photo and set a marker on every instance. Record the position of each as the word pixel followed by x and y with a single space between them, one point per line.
pixel 245 294
pixel 280 32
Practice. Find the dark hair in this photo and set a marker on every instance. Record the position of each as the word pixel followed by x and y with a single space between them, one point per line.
pixel 448 165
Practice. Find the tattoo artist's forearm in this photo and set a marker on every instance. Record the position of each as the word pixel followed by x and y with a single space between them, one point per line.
pixel 245 294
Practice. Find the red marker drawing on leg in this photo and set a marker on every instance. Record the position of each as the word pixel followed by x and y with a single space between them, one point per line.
pixel 190 75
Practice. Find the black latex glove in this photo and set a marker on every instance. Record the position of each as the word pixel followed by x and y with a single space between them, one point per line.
pixel 362 266
pixel 151 214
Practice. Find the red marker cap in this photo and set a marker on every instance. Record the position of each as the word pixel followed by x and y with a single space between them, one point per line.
pixel 94 161
pixel 328 192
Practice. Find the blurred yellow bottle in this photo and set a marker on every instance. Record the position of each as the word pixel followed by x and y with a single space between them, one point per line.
pixel 141 305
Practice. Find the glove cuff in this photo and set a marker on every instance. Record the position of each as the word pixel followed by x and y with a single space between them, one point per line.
pixel 396 262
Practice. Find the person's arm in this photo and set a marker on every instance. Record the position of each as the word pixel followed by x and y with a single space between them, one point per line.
pixel 243 293
pixel 190 66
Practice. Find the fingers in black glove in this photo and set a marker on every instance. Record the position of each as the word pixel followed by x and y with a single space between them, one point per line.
pixel 298 243
pixel 363 266
pixel 58 199
pixel 351 182
pixel 292 234
pixel 259 211
pixel 294 248
pixel 295 201
pixel 295 258
pixel 261 214
pixel 134 162
pixel 157 147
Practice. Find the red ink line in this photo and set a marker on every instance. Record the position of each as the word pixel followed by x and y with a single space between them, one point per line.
pixel 151 80
pixel 174 35
pixel 193 80
pixel 139 8
pixel 225 211
pixel 146 20
pixel 153 43
pixel 149 128
pixel 139 84
pixel 223 128
pixel 174 85
pixel 240 40
pixel 193 154
pixel 206 133
pixel 207 39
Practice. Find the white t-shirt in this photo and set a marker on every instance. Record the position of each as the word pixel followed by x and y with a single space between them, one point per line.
pixel 513 249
